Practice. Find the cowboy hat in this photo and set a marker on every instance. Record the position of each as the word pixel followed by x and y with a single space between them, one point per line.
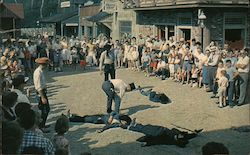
pixel 42 60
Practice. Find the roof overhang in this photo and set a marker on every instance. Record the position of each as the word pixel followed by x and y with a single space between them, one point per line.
pixel 184 6
pixel 98 17
pixel 58 17
pixel 13 10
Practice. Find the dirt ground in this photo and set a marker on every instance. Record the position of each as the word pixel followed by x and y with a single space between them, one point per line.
pixel 191 108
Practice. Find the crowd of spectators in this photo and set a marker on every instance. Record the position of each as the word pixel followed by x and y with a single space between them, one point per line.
pixel 223 71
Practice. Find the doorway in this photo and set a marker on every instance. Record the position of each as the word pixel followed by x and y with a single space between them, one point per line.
pixel 186 34
pixel 161 32
pixel 171 32
pixel 235 38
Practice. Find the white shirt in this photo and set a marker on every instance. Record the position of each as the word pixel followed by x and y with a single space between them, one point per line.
pixel 223 82
pixel 135 54
pixel 244 61
pixel 119 86
pixel 39 79
pixel 161 64
pixel 21 96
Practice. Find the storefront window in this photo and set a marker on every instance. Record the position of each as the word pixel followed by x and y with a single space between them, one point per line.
pixel 125 29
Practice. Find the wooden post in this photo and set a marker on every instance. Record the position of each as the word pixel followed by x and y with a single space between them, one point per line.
pixel 14 27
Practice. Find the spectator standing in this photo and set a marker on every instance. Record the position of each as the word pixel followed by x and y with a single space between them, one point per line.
pixel 40 86
pixel 243 69
pixel 232 73
pixel 222 91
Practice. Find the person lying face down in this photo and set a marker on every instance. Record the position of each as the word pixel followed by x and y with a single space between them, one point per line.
pixel 113 118
pixel 155 135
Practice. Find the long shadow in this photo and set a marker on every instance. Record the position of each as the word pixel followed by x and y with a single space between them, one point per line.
pixel 135 109
pixel 52 91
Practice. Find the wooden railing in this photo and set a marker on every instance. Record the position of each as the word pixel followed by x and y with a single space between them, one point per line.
pixel 153 3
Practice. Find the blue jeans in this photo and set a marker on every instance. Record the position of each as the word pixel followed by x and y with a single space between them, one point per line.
pixel 205 75
pixel 230 92
pixel 243 79
pixel 108 88
pixel 211 75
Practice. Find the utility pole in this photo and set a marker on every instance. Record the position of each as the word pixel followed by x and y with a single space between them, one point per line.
pixel 79 21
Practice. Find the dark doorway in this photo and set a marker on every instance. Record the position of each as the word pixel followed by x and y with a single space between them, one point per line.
pixel 161 32
pixel 235 38
pixel 170 31
pixel 186 34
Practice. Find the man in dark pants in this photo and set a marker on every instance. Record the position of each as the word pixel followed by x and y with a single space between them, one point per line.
pixel 243 68
pixel 40 86
pixel 115 90
pixel 108 61
pixel 141 43
pixel 212 67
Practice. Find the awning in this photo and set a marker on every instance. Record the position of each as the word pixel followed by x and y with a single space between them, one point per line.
pixel 58 17
pixel 99 16
pixel 72 21
pixel 14 10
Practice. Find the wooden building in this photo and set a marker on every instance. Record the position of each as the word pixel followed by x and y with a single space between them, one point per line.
pixel 11 15
pixel 226 21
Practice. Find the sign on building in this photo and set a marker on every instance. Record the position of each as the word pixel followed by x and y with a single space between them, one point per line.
pixel 109 6
pixel 65 4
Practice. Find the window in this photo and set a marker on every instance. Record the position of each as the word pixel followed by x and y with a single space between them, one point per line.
pixel 234 20
pixel 125 28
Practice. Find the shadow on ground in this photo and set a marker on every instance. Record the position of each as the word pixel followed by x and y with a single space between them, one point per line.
pixel 135 109
pixel 239 146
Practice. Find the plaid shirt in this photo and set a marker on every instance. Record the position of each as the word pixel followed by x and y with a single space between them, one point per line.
pixel 31 138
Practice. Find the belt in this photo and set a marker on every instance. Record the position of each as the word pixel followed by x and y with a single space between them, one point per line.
pixel 111 83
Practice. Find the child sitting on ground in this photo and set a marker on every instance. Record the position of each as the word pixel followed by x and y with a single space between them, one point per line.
pixel 61 127
pixel 222 91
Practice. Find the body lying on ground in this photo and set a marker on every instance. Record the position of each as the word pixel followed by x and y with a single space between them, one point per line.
pixel 154 135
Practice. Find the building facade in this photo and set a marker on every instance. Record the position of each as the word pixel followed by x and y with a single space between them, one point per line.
pixel 11 16
pixel 226 21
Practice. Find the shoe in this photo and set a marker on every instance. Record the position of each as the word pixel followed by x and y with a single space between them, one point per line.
pixel 231 106
pixel 198 131
pixel 132 123
pixel 69 114
pixel 208 90
pixel 213 96
pixel 220 106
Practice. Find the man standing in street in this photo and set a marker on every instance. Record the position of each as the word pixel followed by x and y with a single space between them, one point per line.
pixel 213 61
pixel 108 61
pixel 243 69
pixel 115 90
pixel 40 86
pixel 141 43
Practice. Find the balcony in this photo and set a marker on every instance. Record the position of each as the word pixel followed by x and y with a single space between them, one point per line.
pixel 160 3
